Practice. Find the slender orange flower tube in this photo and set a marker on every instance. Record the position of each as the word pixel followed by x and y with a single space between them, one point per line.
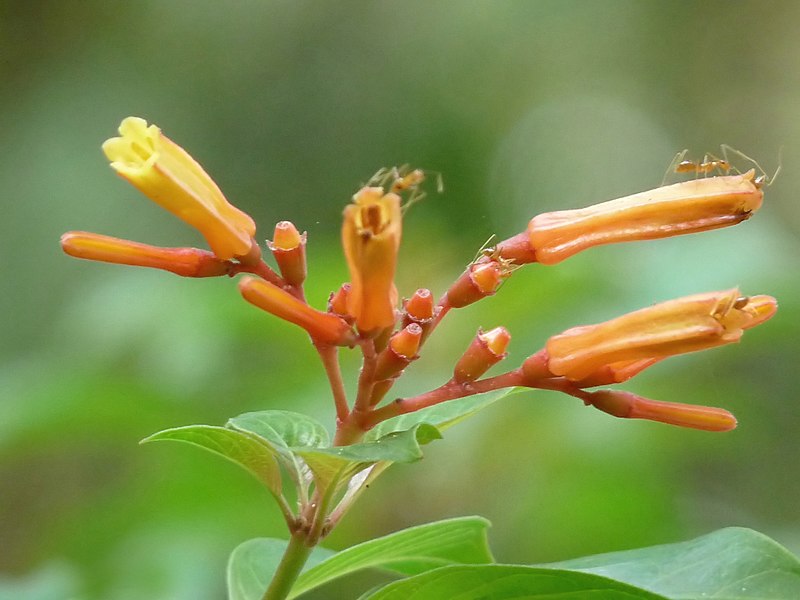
pixel 187 262
pixel 675 327
pixel 165 173
pixel 371 239
pixel 630 406
pixel 322 327
pixel 686 207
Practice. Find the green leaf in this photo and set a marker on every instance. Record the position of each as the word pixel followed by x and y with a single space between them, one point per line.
pixel 253 563
pixel 442 415
pixel 244 449
pixel 283 428
pixel 726 564
pixel 342 462
pixel 507 582
pixel 410 551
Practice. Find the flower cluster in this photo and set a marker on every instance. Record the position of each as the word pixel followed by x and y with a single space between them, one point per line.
pixel 365 313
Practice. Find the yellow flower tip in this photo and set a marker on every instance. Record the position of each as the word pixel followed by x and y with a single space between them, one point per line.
pixel 289 249
pixel 681 208
pixel 480 280
pixel 187 262
pixel 630 406
pixel 168 175
pixel 371 239
pixel 486 350
pixel 286 237
pixel 323 327
pixel 678 326
pixel 406 342
pixel 496 340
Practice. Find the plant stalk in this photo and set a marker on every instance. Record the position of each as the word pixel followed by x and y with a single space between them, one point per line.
pixel 296 555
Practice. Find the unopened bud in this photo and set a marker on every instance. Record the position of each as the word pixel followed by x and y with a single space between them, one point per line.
pixel 322 327
pixel 486 350
pixel 420 309
pixel 630 406
pixel 478 281
pixel 402 349
pixel 686 207
pixel 337 302
pixel 289 249
pixel 187 262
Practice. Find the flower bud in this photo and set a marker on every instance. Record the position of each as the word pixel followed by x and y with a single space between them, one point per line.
pixel 402 349
pixel 371 239
pixel 337 301
pixel 187 262
pixel 686 207
pixel 322 327
pixel 420 309
pixel 630 406
pixel 289 249
pixel 165 173
pixel 675 327
pixel 486 350
pixel 478 281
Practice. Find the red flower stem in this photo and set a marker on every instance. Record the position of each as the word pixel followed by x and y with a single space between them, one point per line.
pixel 366 380
pixel 330 360
pixel 449 391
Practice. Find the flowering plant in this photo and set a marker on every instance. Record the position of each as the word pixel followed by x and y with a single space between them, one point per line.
pixel 315 480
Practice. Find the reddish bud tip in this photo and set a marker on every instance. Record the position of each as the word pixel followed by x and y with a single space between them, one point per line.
pixel 420 306
pixel 406 341
pixel 337 302
pixel 403 347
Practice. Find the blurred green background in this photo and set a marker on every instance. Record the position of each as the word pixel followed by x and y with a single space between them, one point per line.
pixel 523 107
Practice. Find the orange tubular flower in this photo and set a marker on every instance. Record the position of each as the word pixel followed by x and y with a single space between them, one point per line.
pixel 371 239
pixel 187 262
pixel 630 406
pixel 686 207
pixel 674 327
pixel 322 327
pixel 165 173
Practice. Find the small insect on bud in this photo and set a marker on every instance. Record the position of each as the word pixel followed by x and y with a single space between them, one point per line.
pixel 186 262
pixel 322 327
pixel 288 247
pixel 486 350
pixel 402 349
pixel 626 405
pixel 478 281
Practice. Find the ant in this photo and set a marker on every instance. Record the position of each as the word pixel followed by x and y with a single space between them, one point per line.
pixel 404 179
pixel 711 164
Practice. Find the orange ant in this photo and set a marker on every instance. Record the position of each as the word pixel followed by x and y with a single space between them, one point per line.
pixel 713 164
pixel 710 164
